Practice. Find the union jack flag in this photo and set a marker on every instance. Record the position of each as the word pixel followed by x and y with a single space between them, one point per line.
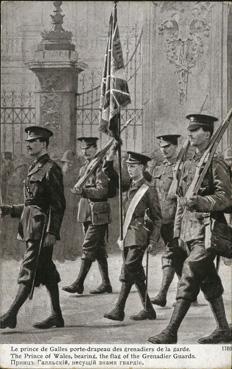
pixel 114 87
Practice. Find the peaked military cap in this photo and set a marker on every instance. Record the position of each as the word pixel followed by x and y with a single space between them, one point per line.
pixel 34 132
pixel 200 120
pixel 137 158
pixel 165 140
pixel 86 142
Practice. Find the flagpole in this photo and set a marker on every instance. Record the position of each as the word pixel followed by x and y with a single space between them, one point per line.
pixel 119 154
pixel 120 179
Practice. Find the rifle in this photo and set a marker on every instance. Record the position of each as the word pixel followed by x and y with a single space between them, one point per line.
pixel 181 157
pixel 207 157
pixel 94 163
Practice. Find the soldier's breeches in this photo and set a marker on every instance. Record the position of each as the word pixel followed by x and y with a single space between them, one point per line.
pixel 94 242
pixel 46 269
pixel 199 272
pixel 132 269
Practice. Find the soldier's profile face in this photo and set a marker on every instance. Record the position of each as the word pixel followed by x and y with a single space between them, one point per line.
pixel 229 162
pixel 89 152
pixel 35 147
pixel 135 170
pixel 198 137
pixel 168 151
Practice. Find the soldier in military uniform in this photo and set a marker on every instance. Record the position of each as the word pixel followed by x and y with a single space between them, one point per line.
pixel 228 160
pixel 40 220
pixel 192 224
pixel 139 235
pixel 94 214
pixel 172 259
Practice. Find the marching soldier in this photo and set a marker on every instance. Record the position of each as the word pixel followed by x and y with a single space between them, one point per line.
pixel 192 224
pixel 39 226
pixel 172 259
pixel 228 160
pixel 94 214
pixel 142 210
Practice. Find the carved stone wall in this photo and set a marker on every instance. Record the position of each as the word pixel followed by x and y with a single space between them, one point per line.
pixel 189 53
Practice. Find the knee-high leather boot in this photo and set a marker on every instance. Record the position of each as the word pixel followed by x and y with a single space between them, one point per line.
pixel 222 333
pixel 78 285
pixel 9 320
pixel 105 286
pixel 55 319
pixel 148 311
pixel 169 334
pixel 167 278
pixel 118 312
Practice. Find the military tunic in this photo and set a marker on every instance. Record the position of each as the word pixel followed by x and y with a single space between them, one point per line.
pixel 137 237
pixel 94 214
pixel 163 176
pixel 42 211
pixel 191 226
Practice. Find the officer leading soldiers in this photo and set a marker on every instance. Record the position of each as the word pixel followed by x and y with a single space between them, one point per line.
pixel 94 214
pixel 40 221
pixel 142 210
pixel 172 259
pixel 192 222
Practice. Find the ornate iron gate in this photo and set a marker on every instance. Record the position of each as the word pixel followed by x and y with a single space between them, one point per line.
pixel 17 112
pixel 18 107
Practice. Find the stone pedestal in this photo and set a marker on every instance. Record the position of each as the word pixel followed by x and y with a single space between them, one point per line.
pixel 57 72
pixel 56 66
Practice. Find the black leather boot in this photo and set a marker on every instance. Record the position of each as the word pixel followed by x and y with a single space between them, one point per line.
pixel 78 285
pixel 55 319
pixel 169 334
pixel 148 311
pixel 118 312
pixel 222 333
pixel 9 320
pixel 161 298
pixel 105 286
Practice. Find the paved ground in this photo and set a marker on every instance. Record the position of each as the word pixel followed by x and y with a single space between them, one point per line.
pixel 84 322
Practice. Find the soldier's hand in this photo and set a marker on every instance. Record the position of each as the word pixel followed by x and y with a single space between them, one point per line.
pixel 5 210
pixel 50 240
pixel 175 243
pixel 151 247
pixel 76 190
pixel 191 203
pixel 197 203
pixel 120 244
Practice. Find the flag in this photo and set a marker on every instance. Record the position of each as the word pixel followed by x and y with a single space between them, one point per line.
pixel 114 88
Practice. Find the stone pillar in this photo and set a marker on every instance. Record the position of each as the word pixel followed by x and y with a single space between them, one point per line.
pixel 56 66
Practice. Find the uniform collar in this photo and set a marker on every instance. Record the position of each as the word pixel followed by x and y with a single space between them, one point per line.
pixel 170 161
pixel 138 183
pixel 38 163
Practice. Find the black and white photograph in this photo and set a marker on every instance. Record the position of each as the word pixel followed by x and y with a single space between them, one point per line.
pixel 116 184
